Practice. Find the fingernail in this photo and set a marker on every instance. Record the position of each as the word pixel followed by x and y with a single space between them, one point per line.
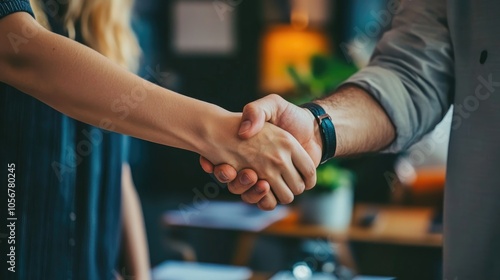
pixel 260 190
pixel 223 176
pixel 245 126
pixel 245 180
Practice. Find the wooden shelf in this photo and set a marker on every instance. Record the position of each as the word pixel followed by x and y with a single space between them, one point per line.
pixel 399 225
pixel 396 225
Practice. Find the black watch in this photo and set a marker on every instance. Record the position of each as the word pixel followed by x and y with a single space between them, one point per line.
pixel 326 128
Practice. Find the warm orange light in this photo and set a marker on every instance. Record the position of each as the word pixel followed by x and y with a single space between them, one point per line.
pixel 429 179
pixel 285 45
pixel 299 19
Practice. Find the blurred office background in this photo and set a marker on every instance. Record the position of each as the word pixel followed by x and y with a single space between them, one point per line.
pixel 375 214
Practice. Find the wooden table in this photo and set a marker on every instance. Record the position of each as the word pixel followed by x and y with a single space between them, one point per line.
pixel 400 225
pixel 397 225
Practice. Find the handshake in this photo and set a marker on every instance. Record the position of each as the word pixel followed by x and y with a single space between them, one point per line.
pixel 282 146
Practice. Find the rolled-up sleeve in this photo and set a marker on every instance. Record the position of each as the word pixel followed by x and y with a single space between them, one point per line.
pixel 8 7
pixel 411 71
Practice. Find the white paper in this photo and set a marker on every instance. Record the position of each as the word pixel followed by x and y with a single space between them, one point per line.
pixel 287 275
pixel 225 215
pixel 176 270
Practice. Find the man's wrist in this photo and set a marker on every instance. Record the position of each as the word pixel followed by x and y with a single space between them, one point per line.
pixel 325 128
pixel 316 130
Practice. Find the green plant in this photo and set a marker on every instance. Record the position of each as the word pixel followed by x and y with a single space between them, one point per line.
pixel 330 176
pixel 325 75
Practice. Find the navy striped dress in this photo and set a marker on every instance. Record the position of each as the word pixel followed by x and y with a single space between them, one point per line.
pixel 67 189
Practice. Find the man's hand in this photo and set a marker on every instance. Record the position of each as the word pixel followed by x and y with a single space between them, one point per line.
pixel 361 126
pixel 296 120
pixel 273 153
pixel 274 109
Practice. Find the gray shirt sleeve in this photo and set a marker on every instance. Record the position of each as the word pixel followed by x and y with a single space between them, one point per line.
pixel 411 70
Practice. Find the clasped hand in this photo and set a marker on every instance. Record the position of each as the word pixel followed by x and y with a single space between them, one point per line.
pixel 267 189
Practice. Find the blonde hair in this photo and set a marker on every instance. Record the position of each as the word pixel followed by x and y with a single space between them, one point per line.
pixel 104 26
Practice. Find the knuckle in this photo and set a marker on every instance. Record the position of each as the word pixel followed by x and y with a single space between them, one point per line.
pixel 279 162
pixel 249 198
pixel 287 199
pixel 246 199
pixel 233 188
pixel 288 139
pixel 274 97
pixel 291 144
pixel 267 206
pixel 299 189
pixel 308 184
pixel 249 108
pixel 312 184
pixel 268 202
pixel 310 173
pixel 288 144
pixel 310 178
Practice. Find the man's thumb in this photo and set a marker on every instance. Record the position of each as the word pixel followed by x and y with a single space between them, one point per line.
pixel 257 113
pixel 252 121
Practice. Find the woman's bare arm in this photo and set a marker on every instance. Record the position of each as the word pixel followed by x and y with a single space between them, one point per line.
pixel 135 246
pixel 85 85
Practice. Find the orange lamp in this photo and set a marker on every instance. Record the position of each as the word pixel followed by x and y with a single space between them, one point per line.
pixel 285 45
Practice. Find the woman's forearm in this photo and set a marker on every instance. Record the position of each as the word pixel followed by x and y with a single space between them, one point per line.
pixel 83 84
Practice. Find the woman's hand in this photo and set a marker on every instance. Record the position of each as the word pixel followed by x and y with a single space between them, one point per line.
pixel 274 154
pixel 84 85
pixel 274 109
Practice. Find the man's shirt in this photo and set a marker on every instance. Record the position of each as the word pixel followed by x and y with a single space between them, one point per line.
pixel 439 53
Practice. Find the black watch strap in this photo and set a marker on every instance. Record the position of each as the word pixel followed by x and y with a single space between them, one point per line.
pixel 327 130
